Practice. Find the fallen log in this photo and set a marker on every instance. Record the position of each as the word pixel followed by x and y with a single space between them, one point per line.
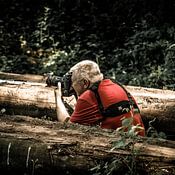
pixel 23 77
pixel 36 99
pixel 156 104
pixel 34 146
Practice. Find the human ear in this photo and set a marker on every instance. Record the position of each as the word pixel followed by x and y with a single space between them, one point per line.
pixel 86 83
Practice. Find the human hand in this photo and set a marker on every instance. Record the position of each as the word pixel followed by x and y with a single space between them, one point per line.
pixel 62 114
pixel 57 91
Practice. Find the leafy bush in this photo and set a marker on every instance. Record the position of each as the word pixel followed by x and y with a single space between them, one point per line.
pixel 129 43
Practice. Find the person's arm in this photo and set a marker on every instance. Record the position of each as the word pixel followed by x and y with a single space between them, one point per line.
pixel 62 114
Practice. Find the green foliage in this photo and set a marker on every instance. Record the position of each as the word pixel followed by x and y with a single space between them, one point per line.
pixel 133 44
pixel 113 166
pixel 128 137
pixel 144 60
pixel 128 134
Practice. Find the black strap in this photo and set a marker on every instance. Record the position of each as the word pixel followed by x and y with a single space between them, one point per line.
pixel 132 102
pixel 94 88
pixel 116 109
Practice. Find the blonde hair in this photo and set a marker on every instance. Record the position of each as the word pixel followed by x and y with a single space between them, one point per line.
pixel 86 69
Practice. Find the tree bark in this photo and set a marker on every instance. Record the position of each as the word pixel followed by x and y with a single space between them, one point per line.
pixel 34 146
pixel 22 77
pixel 34 98
pixel 156 104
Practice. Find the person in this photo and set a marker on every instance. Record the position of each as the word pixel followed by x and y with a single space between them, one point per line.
pixel 87 112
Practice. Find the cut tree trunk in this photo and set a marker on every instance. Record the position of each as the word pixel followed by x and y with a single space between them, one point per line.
pixel 34 146
pixel 22 77
pixel 27 96
pixel 156 104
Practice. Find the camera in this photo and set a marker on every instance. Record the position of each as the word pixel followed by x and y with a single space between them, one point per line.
pixel 65 81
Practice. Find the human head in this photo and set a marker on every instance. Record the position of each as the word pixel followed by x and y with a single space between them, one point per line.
pixel 85 73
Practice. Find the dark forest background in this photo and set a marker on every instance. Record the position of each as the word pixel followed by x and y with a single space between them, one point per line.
pixel 132 40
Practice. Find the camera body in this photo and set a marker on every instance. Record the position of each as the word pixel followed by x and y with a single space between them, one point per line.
pixel 66 83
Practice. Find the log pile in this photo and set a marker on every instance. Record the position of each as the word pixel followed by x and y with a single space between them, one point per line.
pixel 29 145
pixel 34 146
pixel 29 95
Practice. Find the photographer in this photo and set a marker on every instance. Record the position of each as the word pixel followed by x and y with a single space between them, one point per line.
pixel 100 101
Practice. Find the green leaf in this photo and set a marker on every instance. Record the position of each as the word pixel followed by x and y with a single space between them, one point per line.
pixel 127 121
